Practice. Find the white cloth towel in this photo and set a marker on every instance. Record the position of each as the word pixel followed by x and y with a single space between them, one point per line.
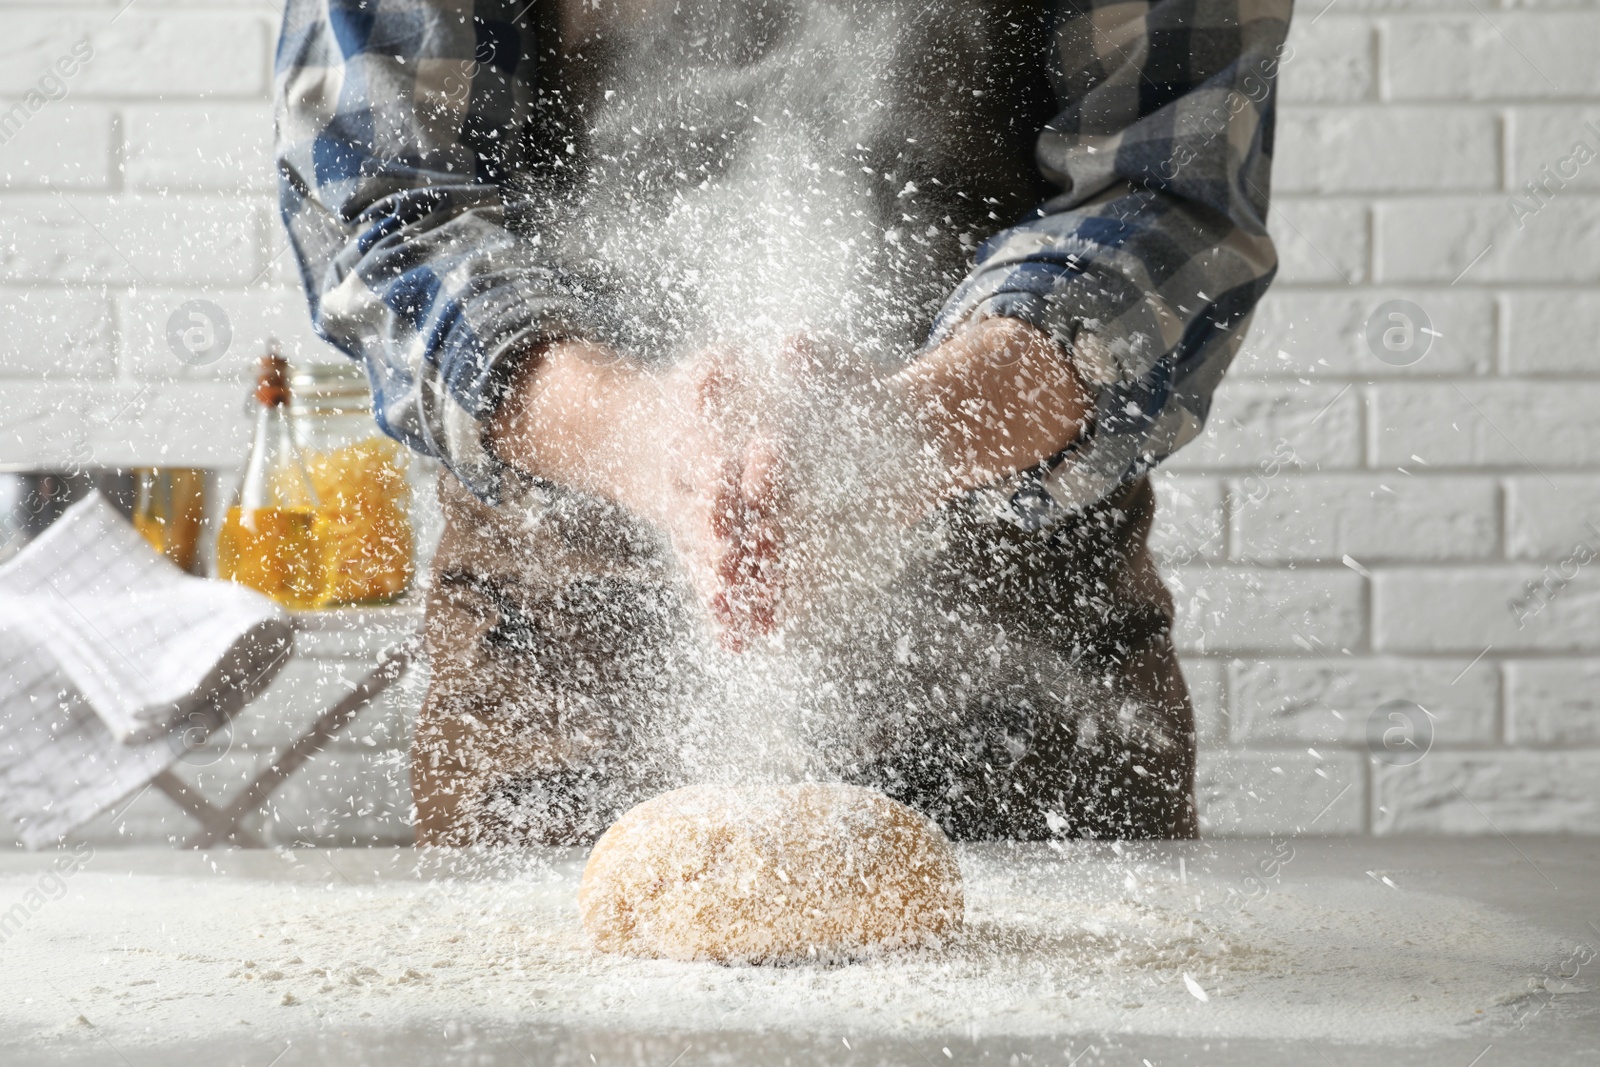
pixel 114 664
pixel 134 634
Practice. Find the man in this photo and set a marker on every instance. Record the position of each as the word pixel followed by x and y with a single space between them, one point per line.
pixel 1013 246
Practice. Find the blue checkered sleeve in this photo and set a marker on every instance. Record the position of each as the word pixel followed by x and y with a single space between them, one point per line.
pixel 399 124
pixel 1148 263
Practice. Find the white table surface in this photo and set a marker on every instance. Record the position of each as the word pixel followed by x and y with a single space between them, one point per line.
pixel 1550 883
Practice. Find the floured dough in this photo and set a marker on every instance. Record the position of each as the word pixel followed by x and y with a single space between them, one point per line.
pixel 770 874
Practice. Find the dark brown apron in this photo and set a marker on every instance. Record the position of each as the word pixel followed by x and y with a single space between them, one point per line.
pixel 1011 685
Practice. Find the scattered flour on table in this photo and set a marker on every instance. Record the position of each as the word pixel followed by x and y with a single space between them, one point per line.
pixel 1052 944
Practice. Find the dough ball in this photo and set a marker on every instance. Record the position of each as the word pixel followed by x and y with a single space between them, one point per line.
pixel 770 874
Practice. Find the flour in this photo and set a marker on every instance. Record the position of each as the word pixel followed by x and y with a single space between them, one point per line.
pixel 1076 942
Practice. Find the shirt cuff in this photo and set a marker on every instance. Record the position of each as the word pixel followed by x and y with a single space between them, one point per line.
pixel 478 357
pixel 1130 423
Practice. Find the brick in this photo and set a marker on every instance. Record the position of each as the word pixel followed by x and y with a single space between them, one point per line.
pixel 208 146
pixel 64 145
pixel 1237 609
pixel 1553 332
pixel 283 270
pixel 253 316
pixel 1332 60
pixel 1320 240
pixel 1429 240
pixel 1251 423
pixel 359 800
pixel 357 634
pixel 1207 683
pixel 1547 520
pixel 1244 794
pixel 1330 702
pixel 1438 239
pixel 300 693
pixel 37 55
pixel 188 53
pixel 1464 610
pixel 1372 518
pixel 57 426
pixel 1188 524
pixel 146 818
pixel 1546 137
pixel 1504 55
pixel 1504 424
pixel 1553 702
pixel 129 239
pixel 339 797
pixel 1490 793
pixel 1386 149
pixel 53 333
pixel 1311 334
pixel 219 779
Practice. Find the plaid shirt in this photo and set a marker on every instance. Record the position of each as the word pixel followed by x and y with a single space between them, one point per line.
pixel 399 124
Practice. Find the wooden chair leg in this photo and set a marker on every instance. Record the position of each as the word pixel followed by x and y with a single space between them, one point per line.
pixel 214 822
pixel 391 668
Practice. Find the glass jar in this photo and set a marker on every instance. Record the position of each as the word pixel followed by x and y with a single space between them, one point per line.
pixel 169 509
pixel 360 477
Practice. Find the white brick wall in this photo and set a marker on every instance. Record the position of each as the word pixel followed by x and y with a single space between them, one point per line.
pixel 149 184
pixel 1381 566
pixel 1406 127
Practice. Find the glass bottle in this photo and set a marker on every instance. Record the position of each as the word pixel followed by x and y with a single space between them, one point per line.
pixel 360 478
pixel 150 507
pixel 269 537
pixel 169 509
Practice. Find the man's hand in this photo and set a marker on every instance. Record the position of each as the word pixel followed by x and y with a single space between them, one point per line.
pixel 998 397
pixel 842 458
pixel 758 482
pixel 672 446
pixel 710 485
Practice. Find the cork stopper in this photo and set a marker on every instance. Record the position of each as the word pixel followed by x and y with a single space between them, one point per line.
pixel 272 381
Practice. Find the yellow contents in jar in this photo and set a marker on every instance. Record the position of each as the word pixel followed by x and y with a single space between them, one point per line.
pixel 154 530
pixel 273 551
pixel 364 524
